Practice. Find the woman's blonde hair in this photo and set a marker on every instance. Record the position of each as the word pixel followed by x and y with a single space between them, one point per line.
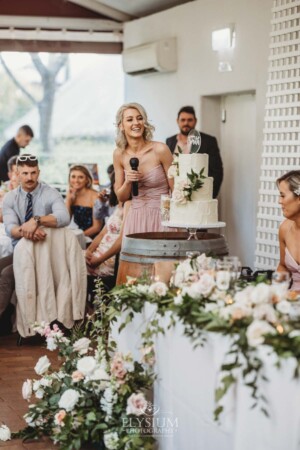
pixel 292 178
pixel 85 172
pixel 121 140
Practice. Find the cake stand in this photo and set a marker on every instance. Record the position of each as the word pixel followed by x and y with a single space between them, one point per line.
pixel 192 229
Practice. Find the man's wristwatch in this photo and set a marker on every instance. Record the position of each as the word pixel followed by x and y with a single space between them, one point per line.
pixel 37 219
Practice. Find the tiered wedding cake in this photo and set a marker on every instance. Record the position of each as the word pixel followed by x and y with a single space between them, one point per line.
pixel 200 209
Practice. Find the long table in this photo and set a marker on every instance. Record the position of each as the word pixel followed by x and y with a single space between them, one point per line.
pixel 184 394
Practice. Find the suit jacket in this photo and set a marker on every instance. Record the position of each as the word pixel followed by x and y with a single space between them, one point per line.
pixel 209 145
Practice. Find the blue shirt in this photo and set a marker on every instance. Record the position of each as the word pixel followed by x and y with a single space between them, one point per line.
pixel 45 201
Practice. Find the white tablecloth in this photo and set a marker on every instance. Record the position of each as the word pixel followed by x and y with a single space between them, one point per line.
pixel 185 389
pixel 6 247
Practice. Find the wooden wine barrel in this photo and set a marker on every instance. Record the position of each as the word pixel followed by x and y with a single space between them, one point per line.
pixel 141 250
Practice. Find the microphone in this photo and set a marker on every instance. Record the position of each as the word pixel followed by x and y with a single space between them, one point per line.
pixel 134 164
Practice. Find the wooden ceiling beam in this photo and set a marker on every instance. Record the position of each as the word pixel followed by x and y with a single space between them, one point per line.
pixel 59 23
pixel 8 45
pixel 63 35
pixel 100 8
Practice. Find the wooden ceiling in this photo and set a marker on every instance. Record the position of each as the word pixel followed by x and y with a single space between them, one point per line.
pixel 89 26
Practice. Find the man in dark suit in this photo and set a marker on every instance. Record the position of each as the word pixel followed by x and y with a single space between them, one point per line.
pixel 12 148
pixel 186 121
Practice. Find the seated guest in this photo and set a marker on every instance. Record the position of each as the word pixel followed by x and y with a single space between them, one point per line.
pixel 106 202
pixel 11 184
pixel 25 210
pixel 80 200
pixel 100 255
pixel 289 231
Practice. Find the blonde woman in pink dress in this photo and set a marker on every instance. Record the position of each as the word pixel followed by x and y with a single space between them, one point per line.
pixel 289 231
pixel 134 139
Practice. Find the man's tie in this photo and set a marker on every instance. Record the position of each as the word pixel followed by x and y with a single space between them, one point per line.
pixel 29 212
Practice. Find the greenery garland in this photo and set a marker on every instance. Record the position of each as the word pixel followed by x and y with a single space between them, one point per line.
pixel 219 311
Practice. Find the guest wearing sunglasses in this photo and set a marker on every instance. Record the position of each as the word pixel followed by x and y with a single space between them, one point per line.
pixel 31 205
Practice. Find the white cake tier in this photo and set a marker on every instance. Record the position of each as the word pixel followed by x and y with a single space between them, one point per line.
pixel 198 212
pixel 204 193
pixel 195 161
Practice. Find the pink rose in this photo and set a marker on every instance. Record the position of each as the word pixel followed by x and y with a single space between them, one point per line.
pixel 178 196
pixel 136 404
pixel 118 367
pixel 59 418
pixel 77 376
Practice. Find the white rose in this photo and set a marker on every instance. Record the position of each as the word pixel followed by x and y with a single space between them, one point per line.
pixel 27 390
pixel 203 261
pixel 239 311
pixel 257 330
pixel 5 434
pixel 99 374
pixel 111 440
pixel 29 420
pixel 51 343
pixel 178 299
pixel 36 385
pixel 243 297
pixel 223 279
pixel 46 382
pixel 158 288
pixel 69 399
pixel 142 288
pixel 40 393
pixel 82 345
pixel 42 365
pixel 191 291
pixel 280 291
pixel 86 365
pixel 261 293
pixel 283 307
pixel 172 171
pixel 179 197
pixel 265 311
pixel 178 278
pixel 136 404
pixel 206 284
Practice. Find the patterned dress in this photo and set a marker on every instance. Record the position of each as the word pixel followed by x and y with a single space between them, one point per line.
pixel 113 226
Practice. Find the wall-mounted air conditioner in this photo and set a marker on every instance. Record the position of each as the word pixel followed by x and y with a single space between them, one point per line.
pixel 159 56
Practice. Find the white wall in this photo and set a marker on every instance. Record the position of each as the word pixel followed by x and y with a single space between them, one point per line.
pixel 197 74
pixel 163 94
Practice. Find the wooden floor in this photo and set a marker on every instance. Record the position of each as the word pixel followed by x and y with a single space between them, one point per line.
pixel 16 365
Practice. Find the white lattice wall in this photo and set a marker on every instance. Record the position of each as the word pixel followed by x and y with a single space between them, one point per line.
pixel 281 146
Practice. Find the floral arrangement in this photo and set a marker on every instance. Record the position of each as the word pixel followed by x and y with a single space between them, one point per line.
pixel 90 398
pixel 184 189
pixel 209 300
pixel 173 170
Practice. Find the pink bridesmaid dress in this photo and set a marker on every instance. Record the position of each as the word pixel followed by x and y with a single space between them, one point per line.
pixel 144 213
pixel 294 269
